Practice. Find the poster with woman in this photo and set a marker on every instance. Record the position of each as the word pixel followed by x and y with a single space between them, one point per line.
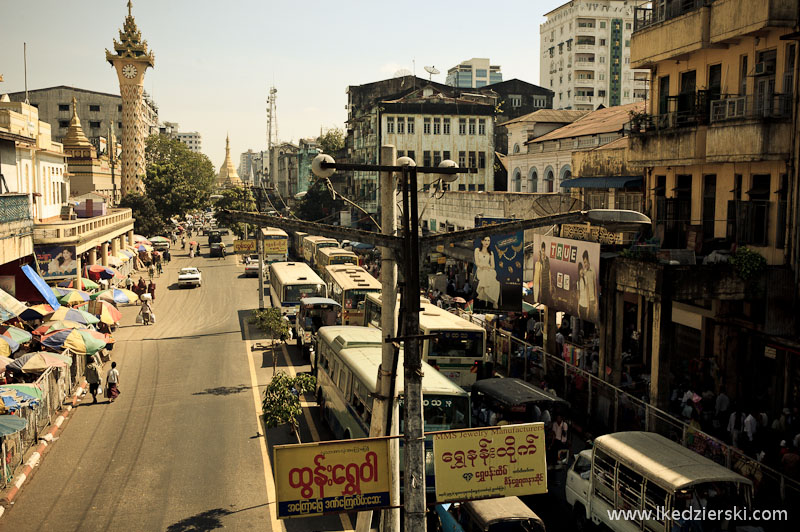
pixel 565 276
pixel 56 261
pixel 497 270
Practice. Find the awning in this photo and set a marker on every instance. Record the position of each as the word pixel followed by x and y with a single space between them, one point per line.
pixel 10 306
pixel 41 286
pixel 126 253
pixel 603 182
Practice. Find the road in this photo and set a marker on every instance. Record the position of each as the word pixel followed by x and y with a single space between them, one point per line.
pixel 182 448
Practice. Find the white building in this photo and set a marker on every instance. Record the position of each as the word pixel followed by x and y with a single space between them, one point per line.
pixel 477 72
pixel 246 163
pixel 429 127
pixel 192 140
pixel 585 51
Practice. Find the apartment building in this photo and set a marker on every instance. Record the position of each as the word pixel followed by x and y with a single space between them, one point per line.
pixel 585 55
pixel 192 140
pixel 474 73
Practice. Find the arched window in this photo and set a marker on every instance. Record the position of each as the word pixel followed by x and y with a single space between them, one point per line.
pixel 533 178
pixel 517 182
pixel 549 179
pixel 565 173
pixel 516 148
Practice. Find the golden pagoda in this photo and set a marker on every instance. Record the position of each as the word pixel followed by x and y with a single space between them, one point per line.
pixel 228 177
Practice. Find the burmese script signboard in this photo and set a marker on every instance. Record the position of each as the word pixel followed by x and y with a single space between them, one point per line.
pixel 490 462
pixel 244 246
pixel 332 477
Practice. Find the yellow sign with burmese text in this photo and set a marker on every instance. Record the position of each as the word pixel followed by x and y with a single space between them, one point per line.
pixel 490 462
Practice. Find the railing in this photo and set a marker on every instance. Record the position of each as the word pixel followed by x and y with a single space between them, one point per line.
pixel 644 17
pixel 585 63
pixel 581 98
pixel 14 208
pixel 732 107
pixel 584 82
pixel 75 229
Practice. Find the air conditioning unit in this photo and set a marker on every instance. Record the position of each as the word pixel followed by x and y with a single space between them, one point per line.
pixel 764 68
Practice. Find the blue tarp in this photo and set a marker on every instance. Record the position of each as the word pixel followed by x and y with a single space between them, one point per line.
pixel 41 286
pixel 603 182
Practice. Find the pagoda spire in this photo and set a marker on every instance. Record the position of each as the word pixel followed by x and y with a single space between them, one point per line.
pixel 75 137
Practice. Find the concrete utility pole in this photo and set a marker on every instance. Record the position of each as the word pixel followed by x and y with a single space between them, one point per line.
pixel 260 236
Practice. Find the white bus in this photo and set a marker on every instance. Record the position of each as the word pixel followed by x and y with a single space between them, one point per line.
pixel 297 244
pixel 347 369
pixel 330 256
pixel 289 282
pixel 311 243
pixel 276 244
pixel 349 286
pixel 458 351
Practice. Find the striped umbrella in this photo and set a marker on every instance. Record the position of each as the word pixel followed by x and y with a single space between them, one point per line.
pixel 73 297
pixel 38 362
pixel 7 346
pixel 140 238
pixel 36 312
pixel 78 341
pixel 57 325
pixel 143 247
pixel 98 271
pixel 28 388
pixel 86 284
pixel 119 295
pixel 20 336
pixel 107 313
pixel 73 314
pixel 158 239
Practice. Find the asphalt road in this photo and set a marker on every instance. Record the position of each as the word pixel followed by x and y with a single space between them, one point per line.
pixel 182 448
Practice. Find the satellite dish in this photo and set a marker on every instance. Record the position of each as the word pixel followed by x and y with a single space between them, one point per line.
pixel 431 70
pixel 550 204
pixel 403 72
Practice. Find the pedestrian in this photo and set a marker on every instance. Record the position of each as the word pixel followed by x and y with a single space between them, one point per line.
pixel 167 256
pixel 559 343
pixel 560 432
pixel 141 287
pixel 151 271
pixel 93 377
pixel 129 282
pixel 151 289
pixel 112 383
pixel 159 268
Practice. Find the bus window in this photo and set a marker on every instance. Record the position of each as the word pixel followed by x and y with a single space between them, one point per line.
pixel 457 344
pixel 297 292
pixel 443 412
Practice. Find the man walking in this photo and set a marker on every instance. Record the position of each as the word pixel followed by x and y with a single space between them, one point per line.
pixel 93 377
pixel 112 383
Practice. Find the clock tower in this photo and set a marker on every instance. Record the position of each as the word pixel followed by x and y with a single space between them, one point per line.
pixel 131 58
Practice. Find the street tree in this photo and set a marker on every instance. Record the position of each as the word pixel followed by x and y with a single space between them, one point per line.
pixel 318 203
pixel 270 321
pixel 148 219
pixel 281 404
pixel 331 141
pixel 178 179
pixel 236 199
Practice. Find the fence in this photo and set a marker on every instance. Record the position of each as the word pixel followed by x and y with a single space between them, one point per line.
pixel 56 385
pixel 599 407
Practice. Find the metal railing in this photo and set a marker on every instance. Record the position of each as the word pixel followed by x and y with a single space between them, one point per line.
pixel 644 17
pixel 14 208
pixel 732 107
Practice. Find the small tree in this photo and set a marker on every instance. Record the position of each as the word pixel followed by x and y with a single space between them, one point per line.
pixel 270 321
pixel 331 141
pixel 282 400
pixel 235 199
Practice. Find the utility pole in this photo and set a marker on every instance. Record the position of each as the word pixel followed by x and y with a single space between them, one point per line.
pixel 260 236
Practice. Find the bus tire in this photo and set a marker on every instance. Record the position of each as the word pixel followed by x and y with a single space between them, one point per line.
pixel 581 523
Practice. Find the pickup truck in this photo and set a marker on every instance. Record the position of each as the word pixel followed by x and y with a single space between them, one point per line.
pixel 190 277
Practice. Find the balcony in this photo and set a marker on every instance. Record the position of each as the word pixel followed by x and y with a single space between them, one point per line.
pixel 118 221
pixel 645 17
pixel 585 82
pixel 580 98
pixel 585 47
pixel 669 32
pixel 731 19
pixel 585 64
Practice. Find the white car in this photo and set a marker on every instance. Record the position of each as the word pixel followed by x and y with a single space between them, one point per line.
pixel 189 277
pixel 251 269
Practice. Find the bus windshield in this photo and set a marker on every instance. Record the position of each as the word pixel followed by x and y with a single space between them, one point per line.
pixel 457 344
pixel 296 292
pixel 353 297
pixel 327 245
pixel 443 412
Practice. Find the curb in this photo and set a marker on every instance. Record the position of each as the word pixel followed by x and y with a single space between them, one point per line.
pixel 36 456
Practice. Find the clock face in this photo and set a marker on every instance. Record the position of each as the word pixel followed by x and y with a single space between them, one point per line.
pixel 129 71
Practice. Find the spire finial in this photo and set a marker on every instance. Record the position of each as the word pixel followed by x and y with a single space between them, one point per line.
pixel 75 119
pixel 130 6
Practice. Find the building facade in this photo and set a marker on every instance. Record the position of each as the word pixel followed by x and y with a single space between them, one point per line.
pixel 192 140
pixel 246 162
pixel 585 55
pixel 474 73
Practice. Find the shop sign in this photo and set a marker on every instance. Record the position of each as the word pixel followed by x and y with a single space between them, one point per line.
pixel 276 246
pixel 244 246
pixel 770 352
pixel 332 477
pixel 490 462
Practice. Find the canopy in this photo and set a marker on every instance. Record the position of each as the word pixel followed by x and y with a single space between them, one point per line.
pixel 8 346
pixel 10 424
pixel 86 284
pixel 80 316
pixel 36 312
pixel 57 325
pixel 119 295
pixel 159 239
pixel 603 182
pixel 15 333
pixel 78 341
pixel 10 306
pixel 38 362
pixel 513 392
pixel 41 286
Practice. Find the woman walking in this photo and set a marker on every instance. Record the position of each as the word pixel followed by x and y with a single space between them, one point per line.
pixel 112 383
pixel 151 289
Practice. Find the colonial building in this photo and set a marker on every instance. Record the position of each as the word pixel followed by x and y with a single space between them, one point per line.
pixel 585 50
pixel 227 176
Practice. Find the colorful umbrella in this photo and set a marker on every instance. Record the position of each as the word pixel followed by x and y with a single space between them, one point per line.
pixel 144 247
pixel 28 388
pixel 20 336
pixel 158 239
pixel 78 341
pixel 86 284
pixel 7 346
pixel 57 325
pixel 140 238
pixel 98 271
pixel 36 312
pixel 13 398
pixel 107 313
pixel 120 295
pixel 5 361
pixel 37 362
pixel 193 242
pixel 73 297
pixel 11 424
pixel 115 261
pixel 73 314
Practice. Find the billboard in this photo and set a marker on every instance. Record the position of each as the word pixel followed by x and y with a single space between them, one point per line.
pixel 490 462
pixel 278 245
pixel 244 246
pixel 56 261
pixel 332 477
pixel 497 271
pixel 565 276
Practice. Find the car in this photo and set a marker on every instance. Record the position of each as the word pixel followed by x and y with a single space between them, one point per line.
pixel 190 277
pixel 223 230
pixel 251 269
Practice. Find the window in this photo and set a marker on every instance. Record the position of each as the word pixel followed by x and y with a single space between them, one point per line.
pixel 63 123
pixel 602 42
pixel 516 100
pixel 63 107
pixel 709 205
pixel 472 159
pixel 401 153
pixel 413 155
pixel 401 125
pixel 390 124
pixel 437 158
pixel 446 124
pixel 94 124
pixel 426 158
pixel 480 73
pixel 462 126
pixel 410 127
pixel 601 76
pixel 602 24
pixel 119 108
pixel 743 75
pixel 627 25
pixel 426 126
pixel 446 155
pixel 627 43
pixel 471 126
pixel 780 235
pixel 462 159
pixel 437 126
pixel 481 160
pixel 94 108
pixel 602 59
pixel 601 93
pixel 119 125
pixel 481 126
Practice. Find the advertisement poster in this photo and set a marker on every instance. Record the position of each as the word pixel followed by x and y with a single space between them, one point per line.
pixel 565 276
pixel 492 462
pixel 244 246
pixel 56 261
pixel 497 273
pixel 332 477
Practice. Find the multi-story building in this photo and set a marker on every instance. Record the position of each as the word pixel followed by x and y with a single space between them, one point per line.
pixel 283 170
pixel 307 150
pixel 192 139
pixel 585 55
pixel 475 73
pixel 246 166
pixel 101 112
pixel 716 147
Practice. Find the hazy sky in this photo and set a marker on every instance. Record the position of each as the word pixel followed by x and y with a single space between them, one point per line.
pixel 215 60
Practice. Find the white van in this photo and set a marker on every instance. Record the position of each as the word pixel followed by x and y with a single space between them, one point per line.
pixel 648 472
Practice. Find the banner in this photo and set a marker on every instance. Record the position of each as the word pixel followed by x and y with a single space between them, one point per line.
pixel 490 462
pixel 276 246
pixel 56 261
pixel 244 246
pixel 497 274
pixel 565 276
pixel 332 477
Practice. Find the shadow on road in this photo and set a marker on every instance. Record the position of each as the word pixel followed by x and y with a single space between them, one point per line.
pixel 223 390
pixel 205 521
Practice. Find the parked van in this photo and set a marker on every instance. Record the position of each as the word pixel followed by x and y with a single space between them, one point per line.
pixel 506 514
pixel 646 471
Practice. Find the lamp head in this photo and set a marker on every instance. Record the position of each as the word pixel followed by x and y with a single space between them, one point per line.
pixel 448 178
pixel 405 161
pixel 316 166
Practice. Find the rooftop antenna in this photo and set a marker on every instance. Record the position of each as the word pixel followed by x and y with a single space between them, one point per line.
pixel 431 70
pixel 25 61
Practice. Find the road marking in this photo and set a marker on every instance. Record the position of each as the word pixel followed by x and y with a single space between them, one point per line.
pixel 275 524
